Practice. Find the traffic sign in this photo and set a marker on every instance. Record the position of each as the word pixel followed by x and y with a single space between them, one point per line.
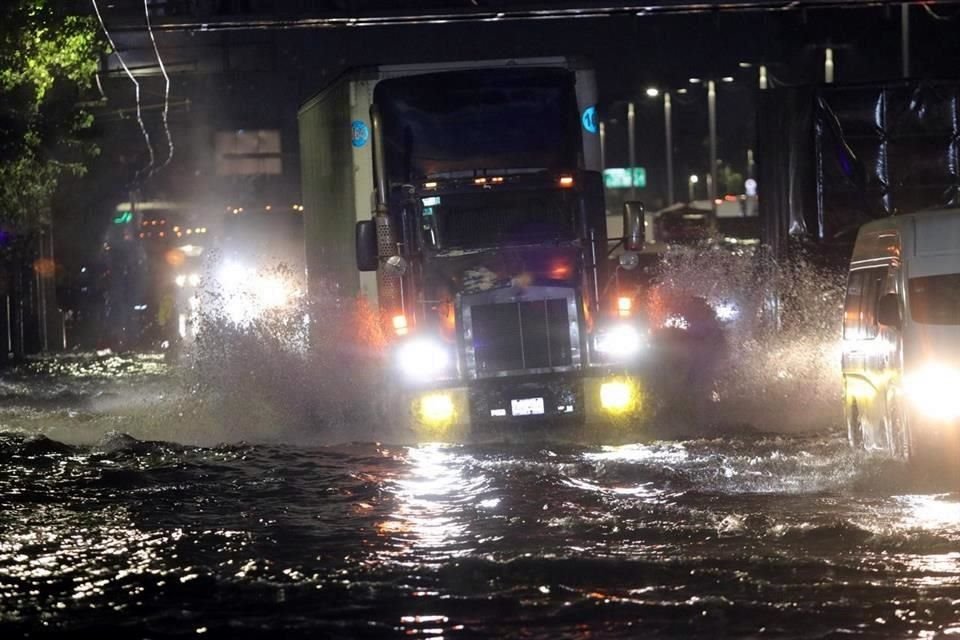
pixel 623 178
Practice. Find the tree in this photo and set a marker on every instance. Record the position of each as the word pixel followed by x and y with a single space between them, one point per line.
pixel 50 59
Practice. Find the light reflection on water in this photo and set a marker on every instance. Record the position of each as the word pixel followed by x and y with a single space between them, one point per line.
pixel 936 511
pixel 713 537
pixel 429 497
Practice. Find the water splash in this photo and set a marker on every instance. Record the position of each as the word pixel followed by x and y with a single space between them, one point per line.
pixel 779 368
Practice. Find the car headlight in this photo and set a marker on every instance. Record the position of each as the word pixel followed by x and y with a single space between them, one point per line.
pixel 423 358
pixel 933 391
pixel 620 341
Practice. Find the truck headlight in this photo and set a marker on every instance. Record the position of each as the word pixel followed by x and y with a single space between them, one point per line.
pixel 933 391
pixel 619 341
pixel 423 358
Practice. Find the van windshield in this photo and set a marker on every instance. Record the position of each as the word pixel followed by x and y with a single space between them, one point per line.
pixel 935 299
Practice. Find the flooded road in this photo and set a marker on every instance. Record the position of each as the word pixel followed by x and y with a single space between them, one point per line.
pixel 107 527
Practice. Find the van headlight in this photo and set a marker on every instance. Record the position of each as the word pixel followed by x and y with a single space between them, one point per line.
pixel 933 391
pixel 423 358
pixel 619 341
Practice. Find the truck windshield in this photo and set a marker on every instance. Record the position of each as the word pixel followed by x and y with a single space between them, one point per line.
pixel 935 299
pixel 488 218
pixel 507 118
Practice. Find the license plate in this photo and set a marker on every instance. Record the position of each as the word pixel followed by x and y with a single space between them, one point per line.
pixel 527 407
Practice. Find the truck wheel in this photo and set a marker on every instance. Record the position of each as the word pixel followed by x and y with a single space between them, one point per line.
pixel 855 427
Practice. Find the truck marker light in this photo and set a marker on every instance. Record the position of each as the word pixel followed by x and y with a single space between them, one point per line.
pixel 429 185
pixel 400 324
pixel 566 181
pixel 497 180
pixel 624 306
pixel 479 181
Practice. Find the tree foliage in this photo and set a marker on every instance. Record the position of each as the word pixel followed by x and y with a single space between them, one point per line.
pixel 49 60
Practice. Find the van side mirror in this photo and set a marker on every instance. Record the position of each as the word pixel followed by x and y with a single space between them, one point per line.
pixel 634 221
pixel 368 258
pixel 888 310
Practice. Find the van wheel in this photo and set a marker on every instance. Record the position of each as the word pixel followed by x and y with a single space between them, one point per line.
pixel 898 438
pixel 855 428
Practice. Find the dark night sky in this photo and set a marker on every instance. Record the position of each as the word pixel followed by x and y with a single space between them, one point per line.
pixel 257 79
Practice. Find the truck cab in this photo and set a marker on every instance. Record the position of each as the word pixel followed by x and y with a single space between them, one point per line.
pixel 901 335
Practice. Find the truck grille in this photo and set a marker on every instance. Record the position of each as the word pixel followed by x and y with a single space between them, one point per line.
pixel 514 336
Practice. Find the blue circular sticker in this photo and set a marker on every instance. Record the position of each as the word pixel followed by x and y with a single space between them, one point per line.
pixel 589 119
pixel 359 133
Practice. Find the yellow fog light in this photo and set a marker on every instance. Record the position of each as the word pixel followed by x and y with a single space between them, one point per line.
pixel 618 396
pixel 436 409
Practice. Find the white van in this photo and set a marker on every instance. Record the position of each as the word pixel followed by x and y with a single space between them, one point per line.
pixel 901 335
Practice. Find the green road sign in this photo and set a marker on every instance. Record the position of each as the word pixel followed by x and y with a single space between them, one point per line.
pixel 123 218
pixel 620 178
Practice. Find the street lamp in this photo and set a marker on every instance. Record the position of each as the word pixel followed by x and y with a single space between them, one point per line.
pixel 691 183
pixel 653 92
pixel 712 121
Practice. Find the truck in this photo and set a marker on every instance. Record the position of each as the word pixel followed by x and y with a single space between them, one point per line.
pixel 464 200
pixel 831 158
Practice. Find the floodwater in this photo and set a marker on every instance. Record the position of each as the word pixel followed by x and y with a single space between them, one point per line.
pixel 118 517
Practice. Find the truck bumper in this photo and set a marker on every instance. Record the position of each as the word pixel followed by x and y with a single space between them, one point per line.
pixel 545 401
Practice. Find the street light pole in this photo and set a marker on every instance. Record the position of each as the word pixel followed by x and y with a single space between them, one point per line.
pixel 603 146
pixel 631 136
pixel 667 118
pixel 905 38
pixel 712 114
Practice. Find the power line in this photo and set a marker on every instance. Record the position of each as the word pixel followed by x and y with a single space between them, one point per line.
pixel 136 85
pixel 166 90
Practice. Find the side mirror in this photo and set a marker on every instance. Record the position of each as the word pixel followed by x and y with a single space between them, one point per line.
pixel 368 258
pixel 888 310
pixel 634 220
